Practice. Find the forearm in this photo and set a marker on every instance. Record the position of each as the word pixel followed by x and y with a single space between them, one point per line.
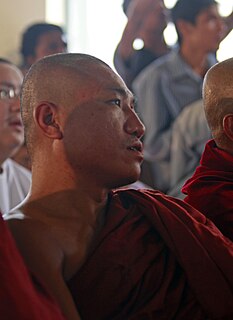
pixel 229 23
pixel 129 34
pixel 138 12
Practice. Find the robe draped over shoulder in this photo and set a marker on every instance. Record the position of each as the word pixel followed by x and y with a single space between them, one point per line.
pixel 20 299
pixel 210 189
pixel 155 258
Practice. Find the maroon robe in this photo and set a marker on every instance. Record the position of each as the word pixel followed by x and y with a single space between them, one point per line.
pixel 19 298
pixel 210 189
pixel 156 258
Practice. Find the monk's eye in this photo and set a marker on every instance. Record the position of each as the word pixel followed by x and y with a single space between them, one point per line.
pixel 116 102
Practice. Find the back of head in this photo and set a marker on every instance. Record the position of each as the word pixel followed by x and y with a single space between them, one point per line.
pixel 52 79
pixel 31 35
pixel 218 99
pixel 188 10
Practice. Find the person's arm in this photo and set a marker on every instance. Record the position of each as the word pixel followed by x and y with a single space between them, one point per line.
pixel 137 13
pixel 44 258
pixel 229 23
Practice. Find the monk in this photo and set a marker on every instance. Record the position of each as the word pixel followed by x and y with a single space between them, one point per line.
pixel 19 298
pixel 122 254
pixel 210 189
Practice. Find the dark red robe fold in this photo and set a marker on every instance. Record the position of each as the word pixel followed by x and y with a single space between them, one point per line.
pixel 210 189
pixel 19 299
pixel 156 258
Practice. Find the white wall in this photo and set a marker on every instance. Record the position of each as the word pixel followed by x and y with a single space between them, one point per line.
pixel 95 27
pixel 15 16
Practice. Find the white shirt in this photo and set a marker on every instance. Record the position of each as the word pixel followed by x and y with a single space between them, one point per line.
pixel 15 183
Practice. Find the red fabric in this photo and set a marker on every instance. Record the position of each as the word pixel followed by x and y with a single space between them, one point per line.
pixel 210 189
pixel 156 258
pixel 19 299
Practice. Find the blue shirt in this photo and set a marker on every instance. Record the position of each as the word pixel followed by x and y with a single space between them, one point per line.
pixel 164 89
pixel 130 68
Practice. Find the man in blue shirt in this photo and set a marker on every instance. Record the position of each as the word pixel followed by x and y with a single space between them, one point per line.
pixel 174 81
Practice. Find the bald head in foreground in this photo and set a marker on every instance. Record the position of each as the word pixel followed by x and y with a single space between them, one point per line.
pixel 210 190
pixel 218 103
pixel 121 254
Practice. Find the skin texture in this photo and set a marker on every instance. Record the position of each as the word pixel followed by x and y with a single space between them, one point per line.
pixel 218 103
pixel 11 130
pixel 87 121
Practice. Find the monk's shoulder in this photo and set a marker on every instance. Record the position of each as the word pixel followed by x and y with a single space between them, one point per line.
pixel 35 240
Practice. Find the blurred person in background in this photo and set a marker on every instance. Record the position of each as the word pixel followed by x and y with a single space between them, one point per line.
pixel 40 40
pixel 174 81
pixel 14 179
pixel 147 20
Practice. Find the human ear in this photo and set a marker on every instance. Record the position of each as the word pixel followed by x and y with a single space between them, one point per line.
pixel 184 27
pixel 45 115
pixel 228 126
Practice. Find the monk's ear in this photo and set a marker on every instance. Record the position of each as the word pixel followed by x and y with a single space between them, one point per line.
pixel 45 115
pixel 228 126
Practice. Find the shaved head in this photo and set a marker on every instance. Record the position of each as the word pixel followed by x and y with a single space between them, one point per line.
pixel 51 79
pixel 79 120
pixel 218 98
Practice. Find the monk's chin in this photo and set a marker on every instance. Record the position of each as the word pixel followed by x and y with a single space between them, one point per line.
pixel 125 181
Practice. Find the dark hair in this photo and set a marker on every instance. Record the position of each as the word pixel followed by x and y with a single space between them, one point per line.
pixel 125 6
pixel 31 35
pixel 188 10
pixel 3 60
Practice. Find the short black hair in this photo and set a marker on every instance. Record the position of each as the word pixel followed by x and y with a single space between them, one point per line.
pixel 188 10
pixel 3 60
pixel 125 5
pixel 31 35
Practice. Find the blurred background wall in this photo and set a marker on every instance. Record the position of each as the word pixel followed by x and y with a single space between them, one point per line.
pixel 92 26
pixel 15 15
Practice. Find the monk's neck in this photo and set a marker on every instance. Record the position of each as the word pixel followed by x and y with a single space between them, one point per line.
pixel 63 195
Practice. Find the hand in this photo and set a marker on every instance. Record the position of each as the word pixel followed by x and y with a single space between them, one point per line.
pixel 139 11
pixel 144 16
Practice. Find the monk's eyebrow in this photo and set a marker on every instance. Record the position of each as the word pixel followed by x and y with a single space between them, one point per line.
pixel 123 92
